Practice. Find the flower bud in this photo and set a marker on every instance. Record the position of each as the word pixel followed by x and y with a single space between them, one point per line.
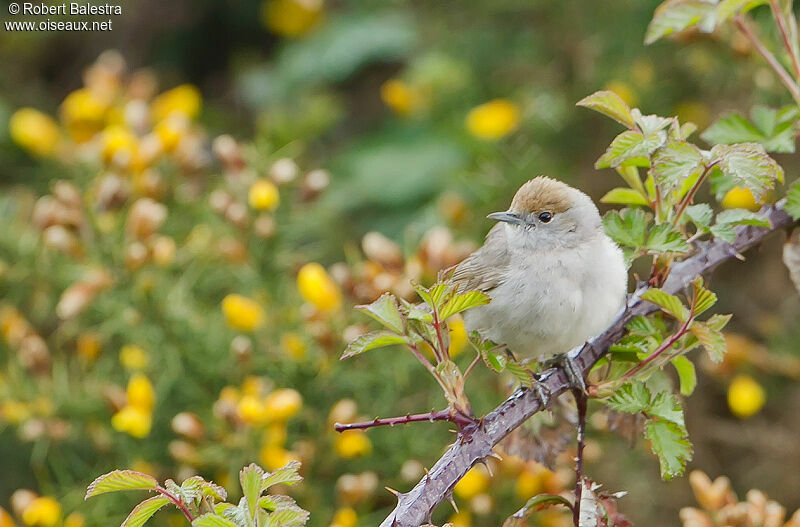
pixel 188 425
pixel 145 217
pixel 283 171
pixel 382 250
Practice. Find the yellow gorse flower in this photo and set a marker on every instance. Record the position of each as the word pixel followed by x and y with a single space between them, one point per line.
pixel 493 120
pixel 252 410
pixel 274 457
pixel 133 421
pixel 624 90
pixel 133 358
pixel 140 393
pixel 293 344
pixel 119 144
pixel 745 396
pixel 34 131
pixel 242 313
pixel 84 114
pixel 75 519
pixel 740 198
pixel 353 443
pixel 318 288
pixel 264 195
pixel 400 96
pixel 88 346
pixel 344 517
pixel 283 404
pixel 291 18
pixel 43 511
pixel 473 483
pixel 184 99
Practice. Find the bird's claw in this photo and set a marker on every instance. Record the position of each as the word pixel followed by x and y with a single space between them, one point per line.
pixel 567 364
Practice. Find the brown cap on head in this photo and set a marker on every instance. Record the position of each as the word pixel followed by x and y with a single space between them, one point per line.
pixel 543 194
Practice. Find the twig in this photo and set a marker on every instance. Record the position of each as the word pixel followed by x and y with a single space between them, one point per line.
pixel 447 414
pixel 475 444
pixel 776 66
pixel 580 402
pixel 777 13
pixel 177 502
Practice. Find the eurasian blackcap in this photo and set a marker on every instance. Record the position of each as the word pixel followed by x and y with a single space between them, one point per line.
pixel 554 277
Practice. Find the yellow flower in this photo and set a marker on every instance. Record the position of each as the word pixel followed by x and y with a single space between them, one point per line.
pixel 264 195
pixel 529 484
pixel 119 144
pixel 399 96
pixel 75 519
pixel 140 393
pixel 88 346
pixel 461 519
pixel 34 131
pixel 624 90
pixel 5 519
pixel 473 483
pixel 318 288
pixel 133 421
pixel 344 517
pixel 293 344
pixel 133 358
pixel 291 18
pixel 43 511
pixel 275 434
pixel 458 335
pixel 493 120
pixel 242 313
pixel 14 412
pixel 745 396
pixel 83 113
pixel 274 457
pixel 172 130
pixel 252 410
pixel 184 99
pixel 283 404
pixel 353 443
pixel 740 198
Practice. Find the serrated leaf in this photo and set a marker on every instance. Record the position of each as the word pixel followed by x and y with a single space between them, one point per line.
pixel 670 304
pixel 724 232
pixel 771 128
pixel 250 478
pixel 609 104
pixel 462 302
pixel 650 124
pixel 496 360
pixel 742 217
pixel 631 398
pixel 749 165
pixel 664 238
pixel 371 341
pixel 687 375
pixel 144 511
pixel 732 128
pixel 700 214
pixel 703 298
pixel 534 504
pixel 212 520
pixel 520 372
pixel 711 339
pixel 385 311
pixel 727 8
pixel 440 293
pixel 630 174
pixel 669 442
pixel 665 406
pixel 627 227
pixel 628 147
pixel 286 475
pixel 417 311
pixel 624 196
pixel 640 325
pixel 673 163
pixel 117 480
pixel 792 205
pixel 677 15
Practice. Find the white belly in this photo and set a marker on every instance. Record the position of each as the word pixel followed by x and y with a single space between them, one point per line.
pixel 551 304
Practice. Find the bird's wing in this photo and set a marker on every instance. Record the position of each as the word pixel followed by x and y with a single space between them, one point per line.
pixel 486 268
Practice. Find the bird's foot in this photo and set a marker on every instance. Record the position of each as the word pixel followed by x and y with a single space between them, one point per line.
pixel 570 368
pixel 541 390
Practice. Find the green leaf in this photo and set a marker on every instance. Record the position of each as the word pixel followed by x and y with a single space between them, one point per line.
pixel 624 196
pixel 742 217
pixel 440 292
pixel 609 104
pixel 462 302
pixel 732 128
pixel 670 304
pixel 496 360
pixel 371 341
pixel 627 227
pixel 286 475
pixel 749 166
pixel 520 372
pixel 664 238
pixel 212 520
pixel 677 15
pixel 665 406
pixel 792 205
pixel 385 311
pixel 724 231
pixel 250 478
pixel 650 124
pixel 703 298
pixel 727 8
pixel 630 398
pixel 687 375
pixel 700 214
pixel 629 146
pixel 144 511
pixel 534 504
pixel 117 480
pixel 669 442
pixel 673 163
pixel 630 174
pixel 711 339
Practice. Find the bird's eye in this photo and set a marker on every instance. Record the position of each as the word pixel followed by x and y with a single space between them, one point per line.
pixel 545 217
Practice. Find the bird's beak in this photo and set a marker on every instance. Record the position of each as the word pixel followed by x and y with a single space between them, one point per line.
pixel 508 217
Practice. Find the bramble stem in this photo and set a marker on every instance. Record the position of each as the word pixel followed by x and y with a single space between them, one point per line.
pixel 690 195
pixel 773 62
pixel 777 13
pixel 448 414
pixel 580 402
pixel 177 502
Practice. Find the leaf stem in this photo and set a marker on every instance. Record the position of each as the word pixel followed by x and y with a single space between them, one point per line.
pixel 475 361
pixel 773 62
pixel 448 414
pixel 690 195
pixel 177 502
pixel 780 20
pixel 421 358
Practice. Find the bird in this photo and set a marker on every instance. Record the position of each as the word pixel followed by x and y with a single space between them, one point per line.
pixel 554 277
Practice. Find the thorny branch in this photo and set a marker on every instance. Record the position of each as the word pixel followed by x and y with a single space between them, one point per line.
pixel 475 442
